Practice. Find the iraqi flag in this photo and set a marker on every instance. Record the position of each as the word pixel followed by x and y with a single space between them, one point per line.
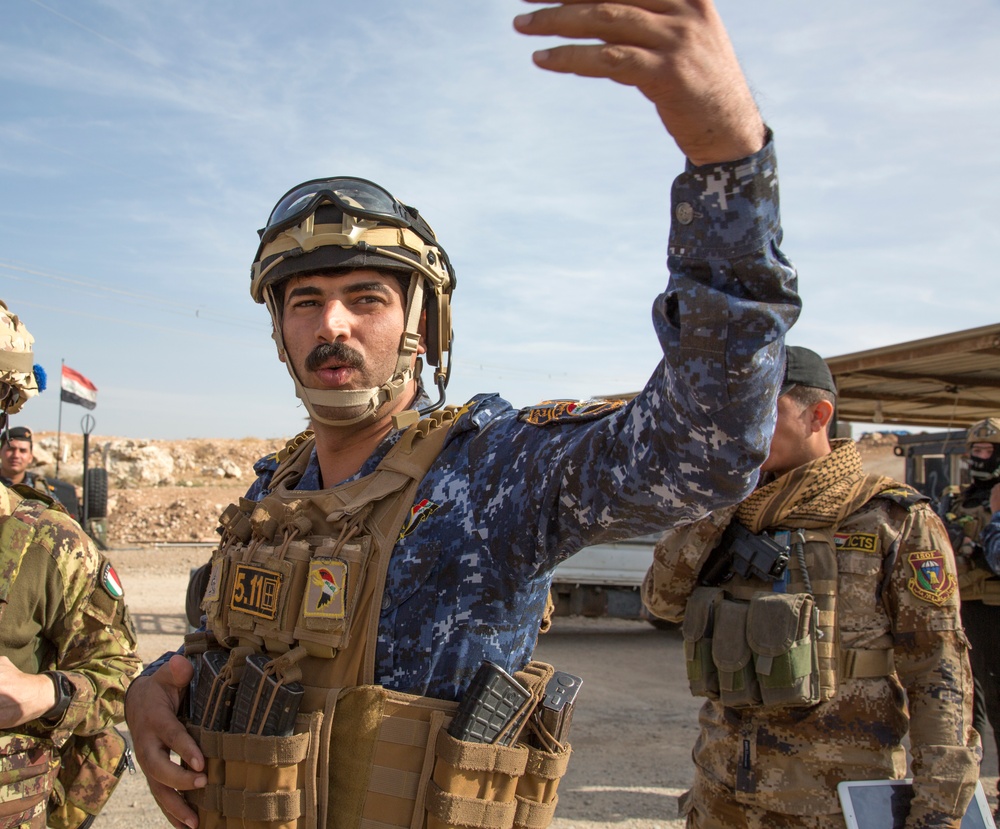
pixel 78 389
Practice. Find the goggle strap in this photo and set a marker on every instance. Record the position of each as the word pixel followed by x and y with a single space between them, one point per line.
pixel 305 239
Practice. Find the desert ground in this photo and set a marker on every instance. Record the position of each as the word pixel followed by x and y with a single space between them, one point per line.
pixel 635 721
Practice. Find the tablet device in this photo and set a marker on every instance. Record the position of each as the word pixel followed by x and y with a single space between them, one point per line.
pixel 884 804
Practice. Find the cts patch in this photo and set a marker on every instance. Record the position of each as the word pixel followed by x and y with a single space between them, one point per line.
pixel 862 542
pixel 111 583
pixel 255 591
pixel 564 411
pixel 326 589
pixel 418 512
pixel 930 582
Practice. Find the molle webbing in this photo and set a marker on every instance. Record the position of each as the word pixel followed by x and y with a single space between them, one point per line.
pixel 278 556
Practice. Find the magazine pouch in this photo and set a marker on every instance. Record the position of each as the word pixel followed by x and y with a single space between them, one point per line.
pixel 781 632
pixel 258 782
pixel 536 792
pixel 738 687
pixel 474 784
pixel 697 628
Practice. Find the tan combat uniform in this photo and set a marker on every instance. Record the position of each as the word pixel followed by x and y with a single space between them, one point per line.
pixel 893 616
pixel 61 608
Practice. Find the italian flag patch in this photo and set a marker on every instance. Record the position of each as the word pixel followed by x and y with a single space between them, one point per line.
pixel 110 582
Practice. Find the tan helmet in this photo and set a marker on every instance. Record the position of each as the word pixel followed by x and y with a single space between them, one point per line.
pixel 985 431
pixel 17 378
pixel 346 223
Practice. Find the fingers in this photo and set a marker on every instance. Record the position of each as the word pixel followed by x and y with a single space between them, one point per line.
pixel 676 53
pixel 151 712
pixel 612 23
pixel 175 809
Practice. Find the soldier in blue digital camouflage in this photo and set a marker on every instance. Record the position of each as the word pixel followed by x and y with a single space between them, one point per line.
pixel 377 602
pixel 67 645
pixel 821 620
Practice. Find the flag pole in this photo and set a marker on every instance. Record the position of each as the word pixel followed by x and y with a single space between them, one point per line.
pixel 59 432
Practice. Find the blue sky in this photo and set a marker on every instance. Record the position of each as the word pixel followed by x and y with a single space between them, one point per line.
pixel 142 145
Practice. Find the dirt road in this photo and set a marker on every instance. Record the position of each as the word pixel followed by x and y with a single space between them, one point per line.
pixel 632 733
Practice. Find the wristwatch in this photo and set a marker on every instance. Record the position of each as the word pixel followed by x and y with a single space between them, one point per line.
pixel 64 695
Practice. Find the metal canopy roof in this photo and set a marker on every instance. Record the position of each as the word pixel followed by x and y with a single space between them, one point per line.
pixel 948 381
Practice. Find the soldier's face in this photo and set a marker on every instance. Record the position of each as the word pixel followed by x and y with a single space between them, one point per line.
pixel 791 434
pixel 343 331
pixel 983 451
pixel 15 457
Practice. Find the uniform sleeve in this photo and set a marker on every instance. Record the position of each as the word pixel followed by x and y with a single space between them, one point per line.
pixel 678 558
pixel 931 655
pixel 991 543
pixel 693 439
pixel 91 630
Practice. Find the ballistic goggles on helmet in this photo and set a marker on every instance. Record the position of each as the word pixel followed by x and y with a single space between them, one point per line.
pixel 359 197
pixel 383 233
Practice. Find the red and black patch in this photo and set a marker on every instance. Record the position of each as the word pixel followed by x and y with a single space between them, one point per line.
pixel 566 411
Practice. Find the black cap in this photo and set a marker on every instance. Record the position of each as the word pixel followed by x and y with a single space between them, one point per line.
pixel 19 433
pixel 806 368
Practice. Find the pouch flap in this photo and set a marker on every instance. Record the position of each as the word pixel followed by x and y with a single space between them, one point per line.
pixel 698 615
pixel 774 621
pixel 731 653
pixel 489 757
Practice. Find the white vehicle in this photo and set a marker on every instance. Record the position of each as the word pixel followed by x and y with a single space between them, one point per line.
pixel 605 580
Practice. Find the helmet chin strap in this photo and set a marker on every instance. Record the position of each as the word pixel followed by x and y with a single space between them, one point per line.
pixel 374 398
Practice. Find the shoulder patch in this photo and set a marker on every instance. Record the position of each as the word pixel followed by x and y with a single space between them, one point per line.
pixel 903 495
pixel 110 582
pixel 292 445
pixel 566 411
pixel 930 582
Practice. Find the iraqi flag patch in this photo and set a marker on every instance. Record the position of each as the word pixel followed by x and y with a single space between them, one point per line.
pixel 930 581
pixel 419 512
pixel 110 582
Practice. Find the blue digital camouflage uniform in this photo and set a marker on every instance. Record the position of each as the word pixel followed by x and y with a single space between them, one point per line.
pixel 990 540
pixel 513 493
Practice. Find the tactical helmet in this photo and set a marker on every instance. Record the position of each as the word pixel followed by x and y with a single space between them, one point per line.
pixel 17 378
pixel 341 224
pixel 985 431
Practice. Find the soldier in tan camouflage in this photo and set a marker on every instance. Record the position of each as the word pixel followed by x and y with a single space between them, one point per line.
pixel 821 620
pixel 67 645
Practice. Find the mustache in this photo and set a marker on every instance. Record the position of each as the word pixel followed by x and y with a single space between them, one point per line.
pixel 343 354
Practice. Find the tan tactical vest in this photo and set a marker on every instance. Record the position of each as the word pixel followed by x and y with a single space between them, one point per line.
pixel 747 645
pixel 976 582
pixel 299 576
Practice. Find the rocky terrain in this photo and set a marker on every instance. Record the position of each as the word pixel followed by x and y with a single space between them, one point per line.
pixel 173 491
